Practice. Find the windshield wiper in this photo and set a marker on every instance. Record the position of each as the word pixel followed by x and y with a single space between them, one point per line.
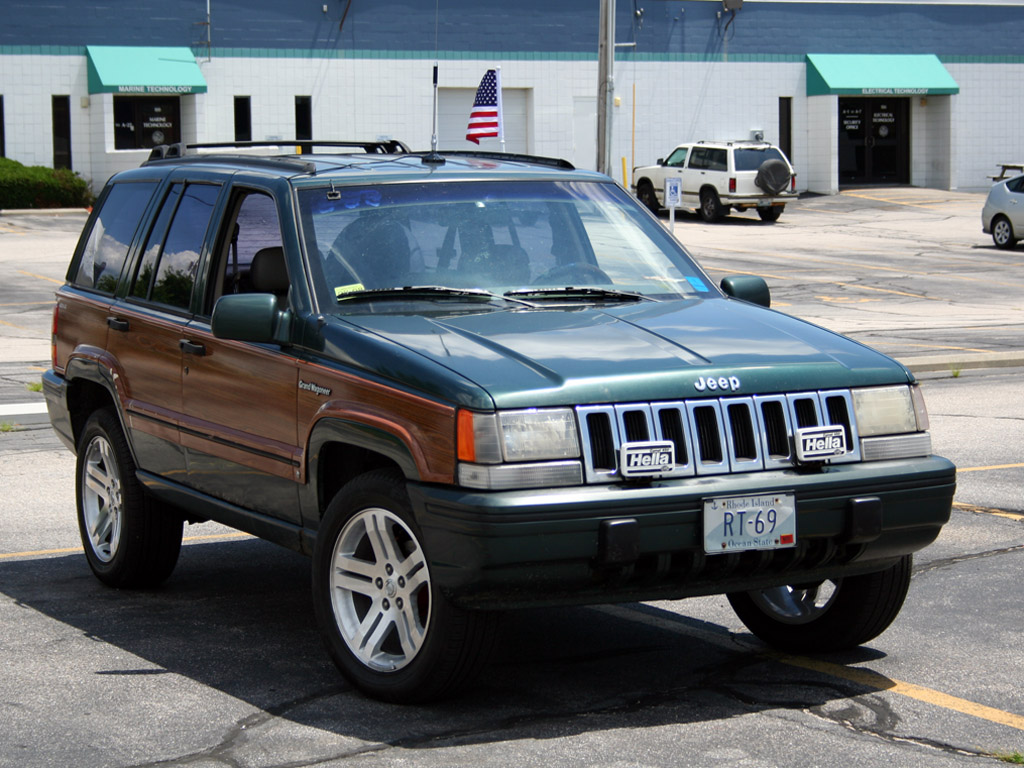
pixel 428 291
pixel 585 292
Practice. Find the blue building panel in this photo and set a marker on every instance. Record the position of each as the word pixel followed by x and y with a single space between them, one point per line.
pixel 691 29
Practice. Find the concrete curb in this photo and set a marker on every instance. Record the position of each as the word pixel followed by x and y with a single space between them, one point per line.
pixel 43 211
pixel 954 362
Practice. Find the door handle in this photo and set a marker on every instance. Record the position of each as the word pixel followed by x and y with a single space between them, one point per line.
pixel 192 348
pixel 117 324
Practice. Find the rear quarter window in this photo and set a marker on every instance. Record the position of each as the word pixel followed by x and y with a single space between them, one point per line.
pixel 106 244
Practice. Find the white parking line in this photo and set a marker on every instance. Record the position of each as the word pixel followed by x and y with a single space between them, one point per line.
pixel 22 409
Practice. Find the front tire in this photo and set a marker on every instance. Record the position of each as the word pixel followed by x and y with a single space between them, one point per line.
pixel 830 616
pixel 129 540
pixel 1002 233
pixel 645 193
pixel 382 617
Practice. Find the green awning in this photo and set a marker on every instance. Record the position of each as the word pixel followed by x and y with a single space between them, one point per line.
pixel 143 71
pixel 877 75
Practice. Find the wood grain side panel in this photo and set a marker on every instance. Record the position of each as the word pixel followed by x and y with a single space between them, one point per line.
pixel 426 427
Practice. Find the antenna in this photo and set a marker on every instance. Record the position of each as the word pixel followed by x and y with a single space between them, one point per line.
pixel 433 158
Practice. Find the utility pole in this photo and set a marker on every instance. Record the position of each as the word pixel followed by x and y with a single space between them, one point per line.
pixel 605 86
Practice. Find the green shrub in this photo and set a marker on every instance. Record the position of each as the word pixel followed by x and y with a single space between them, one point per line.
pixel 34 186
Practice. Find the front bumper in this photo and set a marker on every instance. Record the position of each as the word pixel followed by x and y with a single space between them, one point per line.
pixel 561 546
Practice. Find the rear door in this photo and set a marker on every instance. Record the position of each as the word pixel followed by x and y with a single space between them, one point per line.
pixel 146 325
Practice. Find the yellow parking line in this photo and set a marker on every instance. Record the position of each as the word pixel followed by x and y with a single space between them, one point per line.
pixel 871 679
pixel 41 277
pixel 72 550
pixel 992 466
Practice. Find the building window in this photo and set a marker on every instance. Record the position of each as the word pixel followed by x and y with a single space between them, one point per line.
pixel 141 122
pixel 61 131
pixel 303 118
pixel 243 118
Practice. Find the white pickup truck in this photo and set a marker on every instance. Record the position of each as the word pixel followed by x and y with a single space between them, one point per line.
pixel 717 176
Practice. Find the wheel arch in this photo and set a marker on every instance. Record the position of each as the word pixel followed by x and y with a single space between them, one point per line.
pixel 340 450
pixel 91 385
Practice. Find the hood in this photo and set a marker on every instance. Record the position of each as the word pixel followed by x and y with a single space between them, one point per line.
pixel 648 351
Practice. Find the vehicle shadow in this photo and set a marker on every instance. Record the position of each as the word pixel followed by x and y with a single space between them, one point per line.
pixel 237 617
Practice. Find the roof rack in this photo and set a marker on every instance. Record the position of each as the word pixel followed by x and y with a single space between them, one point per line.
pixel 553 162
pixel 193 152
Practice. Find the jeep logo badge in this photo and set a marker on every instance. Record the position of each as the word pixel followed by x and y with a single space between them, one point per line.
pixel 730 383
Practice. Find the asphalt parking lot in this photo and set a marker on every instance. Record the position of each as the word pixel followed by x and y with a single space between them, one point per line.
pixel 223 667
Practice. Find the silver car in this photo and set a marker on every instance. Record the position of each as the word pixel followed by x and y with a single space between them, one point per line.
pixel 1003 214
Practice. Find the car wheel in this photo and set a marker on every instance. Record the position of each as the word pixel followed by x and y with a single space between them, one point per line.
pixel 1002 233
pixel 129 540
pixel 382 617
pixel 710 206
pixel 771 214
pixel 646 195
pixel 829 616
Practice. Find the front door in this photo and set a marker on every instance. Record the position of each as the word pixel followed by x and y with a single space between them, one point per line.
pixel 874 141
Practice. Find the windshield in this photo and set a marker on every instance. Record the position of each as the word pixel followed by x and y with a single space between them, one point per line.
pixel 509 237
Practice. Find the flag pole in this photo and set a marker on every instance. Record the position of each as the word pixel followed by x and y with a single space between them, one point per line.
pixel 501 116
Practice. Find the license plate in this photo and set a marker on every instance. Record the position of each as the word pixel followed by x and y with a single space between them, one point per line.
pixel 820 443
pixel 647 459
pixel 743 523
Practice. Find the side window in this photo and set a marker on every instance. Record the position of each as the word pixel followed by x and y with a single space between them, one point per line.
pixel 168 270
pixel 1015 185
pixel 699 158
pixel 717 160
pixel 677 158
pixel 254 228
pixel 107 243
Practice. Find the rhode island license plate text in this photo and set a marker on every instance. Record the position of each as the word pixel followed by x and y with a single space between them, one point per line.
pixel 739 523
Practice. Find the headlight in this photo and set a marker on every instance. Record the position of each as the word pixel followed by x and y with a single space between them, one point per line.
pixel 515 437
pixel 898 414
pixel 889 410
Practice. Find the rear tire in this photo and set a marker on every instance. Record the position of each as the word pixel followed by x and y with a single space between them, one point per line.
pixel 830 616
pixel 1002 233
pixel 382 617
pixel 710 206
pixel 129 540
pixel 771 214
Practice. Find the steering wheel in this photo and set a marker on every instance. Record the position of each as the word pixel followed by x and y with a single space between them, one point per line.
pixel 576 272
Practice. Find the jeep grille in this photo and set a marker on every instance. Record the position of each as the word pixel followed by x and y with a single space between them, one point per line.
pixel 714 436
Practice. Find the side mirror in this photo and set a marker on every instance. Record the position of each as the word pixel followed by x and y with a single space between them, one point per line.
pixel 748 288
pixel 661 161
pixel 247 317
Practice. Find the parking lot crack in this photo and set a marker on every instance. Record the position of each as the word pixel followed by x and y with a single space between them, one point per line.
pixel 948 562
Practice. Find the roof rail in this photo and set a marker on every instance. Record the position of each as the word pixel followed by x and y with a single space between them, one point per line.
pixel 181 152
pixel 306 146
pixel 552 162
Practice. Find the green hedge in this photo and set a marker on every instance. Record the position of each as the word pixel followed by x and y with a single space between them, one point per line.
pixel 24 186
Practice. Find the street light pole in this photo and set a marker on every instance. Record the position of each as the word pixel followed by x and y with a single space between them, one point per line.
pixel 605 86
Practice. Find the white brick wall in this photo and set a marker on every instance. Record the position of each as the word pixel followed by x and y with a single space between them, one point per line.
pixel 956 140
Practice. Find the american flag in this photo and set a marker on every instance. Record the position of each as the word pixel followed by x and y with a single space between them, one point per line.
pixel 485 119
